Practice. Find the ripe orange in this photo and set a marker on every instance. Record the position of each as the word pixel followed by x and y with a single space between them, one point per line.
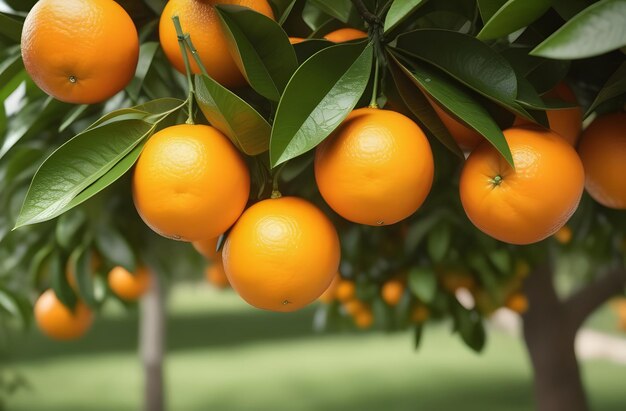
pixel 354 307
pixel 80 51
pixel 452 280
pixel 345 34
pixel 392 291
pixel 200 19
pixel 346 290
pixel 215 274
pixel 57 321
pixel 517 302
pixel 603 152
pixel 296 40
pixel 420 314
pixel 129 286
pixel 207 248
pixel 530 203
pixel 330 294
pixel 190 183
pixel 568 122
pixel 364 319
pixel 282 254
pixel 376 168
pixel 564 235
pixel 465 137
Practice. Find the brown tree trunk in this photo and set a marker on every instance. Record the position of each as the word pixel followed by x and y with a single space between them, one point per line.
pixel 549 333
pixel 151 344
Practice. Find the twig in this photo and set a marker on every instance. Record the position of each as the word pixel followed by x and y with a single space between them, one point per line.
pixel 367 15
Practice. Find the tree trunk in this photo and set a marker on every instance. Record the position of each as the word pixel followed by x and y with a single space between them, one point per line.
pixel 152 341
pixel 549 333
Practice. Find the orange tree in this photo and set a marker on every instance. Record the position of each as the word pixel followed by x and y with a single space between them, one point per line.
pixel 407 160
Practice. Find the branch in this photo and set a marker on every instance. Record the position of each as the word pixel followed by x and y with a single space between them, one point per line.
pixel 581 304
pixel 367 15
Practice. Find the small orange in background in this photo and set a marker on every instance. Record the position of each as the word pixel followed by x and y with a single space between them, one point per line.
pixel 345 34
pixel 282 254
pixel 376 168
pixel 202 22
pixel 603 152
pixel 420 314
pixel 392 291
pixel 80 51
pixel 531 202
pixel 129 286
pixel 296 40
pixel 346 290
pixel 364 319
pixel 190 183
pixel 564 235
pixel 354 307
pixel 59 322
pixel 330 294
pixel 207 248
pixel 215 274
pixel 454 279
pixel 517 302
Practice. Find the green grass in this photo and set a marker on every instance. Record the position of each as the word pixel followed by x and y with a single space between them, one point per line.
pixel 224 355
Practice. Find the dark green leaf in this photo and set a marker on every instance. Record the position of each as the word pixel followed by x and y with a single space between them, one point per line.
pixel 282 9
pixel 547 74
pixel 596 30
pixel 10 67
pixel 513 15
pixel 615 86
pixel 16 305
pixel 72 116
pixel 569 8
pixel 37 266
pixel 115 248
pixel 438 242
pixel 318 98
pixel 230 114
pixel 81 259
pixel 470 326
pixel 461 105
pixel 315 18
pixel 342 10
pixel 58 278
pixel 67 228
pixel 146 55
pixel 418 231
pixel 76 165
pixel 400 10
pixel 488 8
pixel 10 27
pixel 423 283
pixel 307 48
pixel 421 108
pixel 418 333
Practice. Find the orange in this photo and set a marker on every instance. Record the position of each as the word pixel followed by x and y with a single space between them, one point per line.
pixel 452 280
pixel 567 122
pixel 603 152
pixel 522 269
pixel 376 168
pixel 282 254
pixel 330 294
pixel 345 34
pixel 364 319
pixel 59 322
pixel 80 51
pixel 296 40
pixel 207 248
pixel 200 20
pixel 129 286
pixel 420 314
pixel 346 290
pixel 465 137
pixel 517 302
pixel 190 183
pixel 531 202
pixel 564 235
pixel 392 292
pixel 354 307
pixel 215 273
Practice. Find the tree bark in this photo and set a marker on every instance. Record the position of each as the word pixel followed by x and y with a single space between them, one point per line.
pixel 549 333
pixel 151 345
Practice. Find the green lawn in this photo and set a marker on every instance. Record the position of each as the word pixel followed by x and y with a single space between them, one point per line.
pixel 224 355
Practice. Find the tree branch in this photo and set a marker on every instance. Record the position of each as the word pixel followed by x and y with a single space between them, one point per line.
pixel 581 304
pixel 367 15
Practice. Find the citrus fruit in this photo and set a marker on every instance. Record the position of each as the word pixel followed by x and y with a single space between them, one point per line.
pixel 200 20
pixel 296 40
pixel 354 307
pixel 420 314
pixel 465 137
pixel 345 34
pixel 330 294
pixel 531 202
pixel 454 279
pixel 129 286
pixel 206 248
pixel 376 168
pixel 59 322
pixel 364 318
pixel 346 290
pixel 564 235
pixel 215 274
pixel 565 122
pixel 603 152
pixel 80 51
pixel 517 302
pixel 281 254
pixel 392 291
pixel 190 183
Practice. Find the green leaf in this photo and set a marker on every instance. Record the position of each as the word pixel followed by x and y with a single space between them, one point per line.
pixel 418 333
pixel 615 86
pixel 72 116
pixel 596 30
pixel 342 10
pixel 16 305
pixel 260 48
pixel 147 52
pixel 460 105
pixel 68 227
pixel 10 27
pixel 81 259
pixel 465 58
pixel 307 48
pixel 418 231
pixel 569 8
pixel 400 10
pixel 230 114
pixel 438 242
pixel 421 108
pixel 470 327
pixel 76 165
pixel 319 96
pixel 488 8
pixel 115 248
pixel 512 16
pixel 282 9
pixel 58 278
pixel 10 68
pixel 423 283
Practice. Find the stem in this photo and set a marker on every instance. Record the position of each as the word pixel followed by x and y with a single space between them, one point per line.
pixel 195 55
pixel 368 16
pixel 373 103
pixel 275 176
pixel 183 51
